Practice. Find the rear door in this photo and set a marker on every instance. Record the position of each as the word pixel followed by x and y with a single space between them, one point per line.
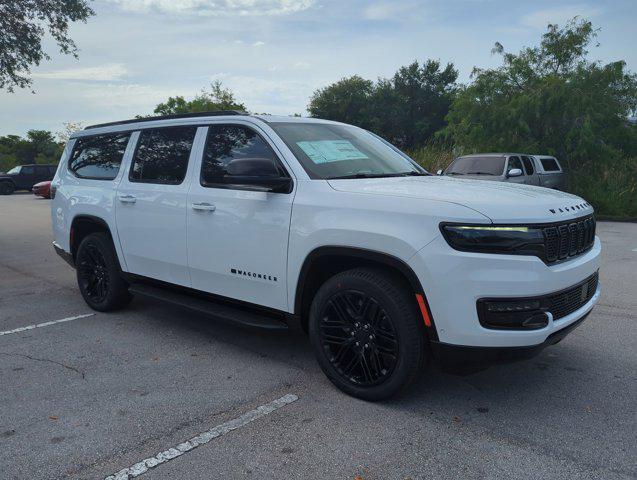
pixel 41 173
pixel 151 204
pixel 238 235
pixel 532 177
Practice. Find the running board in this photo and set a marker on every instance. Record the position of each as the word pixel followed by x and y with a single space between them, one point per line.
pixel 223 312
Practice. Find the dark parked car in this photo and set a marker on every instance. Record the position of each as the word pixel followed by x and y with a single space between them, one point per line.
pixel 23 177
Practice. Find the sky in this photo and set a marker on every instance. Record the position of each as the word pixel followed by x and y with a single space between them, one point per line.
pixel 273 54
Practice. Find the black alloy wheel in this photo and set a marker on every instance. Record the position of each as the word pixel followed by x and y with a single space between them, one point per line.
pixel 99 276
pixel 93 274
pixel 359 338
pixel 367 333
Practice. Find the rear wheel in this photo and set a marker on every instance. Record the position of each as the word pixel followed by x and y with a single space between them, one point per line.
pixel 98 274
pixel 366 333
pixel 6 188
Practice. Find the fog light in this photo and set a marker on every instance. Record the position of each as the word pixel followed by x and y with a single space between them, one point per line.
pixel 512 314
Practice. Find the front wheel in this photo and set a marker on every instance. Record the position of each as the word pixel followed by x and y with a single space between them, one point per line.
pixel 6 188
pixel 99 275
pixel 366 333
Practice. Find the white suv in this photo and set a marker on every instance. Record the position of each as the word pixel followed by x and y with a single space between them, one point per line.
pixel 282 222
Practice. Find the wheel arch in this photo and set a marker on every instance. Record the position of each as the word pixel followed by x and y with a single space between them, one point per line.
pixel 324 262
pixel 83 225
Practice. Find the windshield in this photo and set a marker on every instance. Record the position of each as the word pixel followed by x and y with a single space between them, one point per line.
pixel 341 151
pixel 476 166
pixel 14 170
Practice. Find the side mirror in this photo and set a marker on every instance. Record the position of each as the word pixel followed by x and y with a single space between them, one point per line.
pixel 439 172
pixel 514 172
pixel 260 173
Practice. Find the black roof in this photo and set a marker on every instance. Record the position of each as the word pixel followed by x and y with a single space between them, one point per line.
pixel 215 113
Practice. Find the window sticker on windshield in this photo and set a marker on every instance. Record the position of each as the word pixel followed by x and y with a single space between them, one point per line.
pixel 325 151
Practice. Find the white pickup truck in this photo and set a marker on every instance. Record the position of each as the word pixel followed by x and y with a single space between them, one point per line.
pixel 540 170
pixel 282 222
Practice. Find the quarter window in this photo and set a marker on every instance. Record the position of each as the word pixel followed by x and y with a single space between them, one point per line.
pixel 98 157
pixel 234 151
pixel 162 155
pixel 550 165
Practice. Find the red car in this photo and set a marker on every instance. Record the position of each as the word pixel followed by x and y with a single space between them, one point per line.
pixel 42 189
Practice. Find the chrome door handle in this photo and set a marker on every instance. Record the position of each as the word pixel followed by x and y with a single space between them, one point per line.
pixel 127 198
pixel 203 207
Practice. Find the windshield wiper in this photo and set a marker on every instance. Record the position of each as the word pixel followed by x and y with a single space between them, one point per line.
pixel 480 173
pixel 414 174
pixel 454 173
pixel 365 175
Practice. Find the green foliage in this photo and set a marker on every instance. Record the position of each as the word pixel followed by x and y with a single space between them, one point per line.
pixel 38 147
pixel 23 23
pixel 217 98
pixel 406 109
pixel 551 99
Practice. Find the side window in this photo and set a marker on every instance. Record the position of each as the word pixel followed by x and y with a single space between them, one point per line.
pixel 528 165
pixel 550 165
pixel 42 171
pixel 234 151
pixel 27 170
pixel 514 162
pixel 162 155
pixel 98 157
pixel 52 170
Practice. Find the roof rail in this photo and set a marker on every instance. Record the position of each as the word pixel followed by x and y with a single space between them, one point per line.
pixel 215 113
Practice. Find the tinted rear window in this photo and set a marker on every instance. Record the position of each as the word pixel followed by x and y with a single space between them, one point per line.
pixel 162 155
pixel 550 165
pixel 98 157
pixel 477 166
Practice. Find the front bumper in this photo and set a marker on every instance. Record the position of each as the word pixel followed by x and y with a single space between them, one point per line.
pixel 454 281
pixel 465 359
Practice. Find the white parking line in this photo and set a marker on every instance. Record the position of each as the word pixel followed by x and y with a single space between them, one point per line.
pixel 45 324
pixel 202 438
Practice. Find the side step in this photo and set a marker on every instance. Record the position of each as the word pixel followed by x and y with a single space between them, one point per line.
pixel 223 312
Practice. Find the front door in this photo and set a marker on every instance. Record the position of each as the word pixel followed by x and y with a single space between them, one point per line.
pixel 513 163
pixel 151 204
pixel 237 235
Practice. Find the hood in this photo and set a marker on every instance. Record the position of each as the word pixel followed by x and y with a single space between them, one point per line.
pixel 501 202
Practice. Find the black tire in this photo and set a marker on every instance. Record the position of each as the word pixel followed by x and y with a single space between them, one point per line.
pixel 99 276
pixel 368 313
pixel 7 188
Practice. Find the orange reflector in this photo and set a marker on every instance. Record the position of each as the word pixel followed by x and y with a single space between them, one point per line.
pixel 423 310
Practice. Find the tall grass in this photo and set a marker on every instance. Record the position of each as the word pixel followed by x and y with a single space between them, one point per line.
pixel 610 186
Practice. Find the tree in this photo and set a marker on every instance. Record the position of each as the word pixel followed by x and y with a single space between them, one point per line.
pixel 217 98
pixel 23 23
pixel 549 99
pixel 406 109
pixel 347 100
pixel 38 147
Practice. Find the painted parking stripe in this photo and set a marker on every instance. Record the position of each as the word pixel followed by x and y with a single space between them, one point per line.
pixel 203 438
pixel 46 324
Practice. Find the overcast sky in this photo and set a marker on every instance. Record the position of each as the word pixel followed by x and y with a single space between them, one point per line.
pixel 274 53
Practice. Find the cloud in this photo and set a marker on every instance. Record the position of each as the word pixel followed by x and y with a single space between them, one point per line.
pixel 391 10
pixel 217 8
pixel 102 73
pixel 560 15
pixel 258 44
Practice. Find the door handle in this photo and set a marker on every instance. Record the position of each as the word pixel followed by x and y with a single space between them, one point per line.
pixel 203 207
pixel 127 198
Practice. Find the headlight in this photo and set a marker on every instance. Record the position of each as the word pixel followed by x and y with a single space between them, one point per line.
pixel 512 240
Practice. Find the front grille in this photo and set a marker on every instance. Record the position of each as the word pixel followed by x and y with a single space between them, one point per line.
pixel 567 301
pixel 568 239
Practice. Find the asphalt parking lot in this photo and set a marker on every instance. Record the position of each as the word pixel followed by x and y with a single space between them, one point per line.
pixel 91 396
